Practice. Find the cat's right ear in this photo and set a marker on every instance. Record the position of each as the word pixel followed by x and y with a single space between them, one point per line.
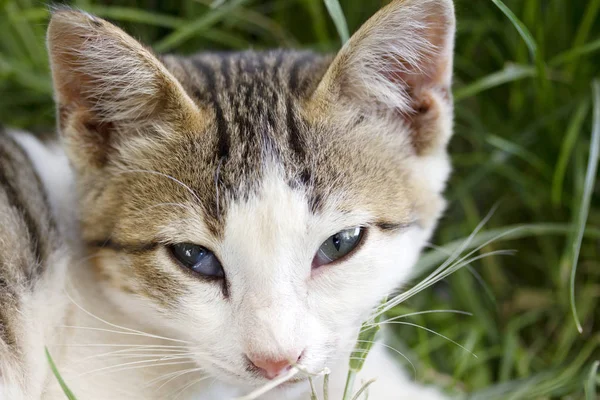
pixel 107 85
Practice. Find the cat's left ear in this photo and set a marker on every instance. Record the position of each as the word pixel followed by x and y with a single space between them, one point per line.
pixel 399 63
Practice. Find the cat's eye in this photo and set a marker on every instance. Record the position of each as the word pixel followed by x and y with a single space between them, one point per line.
pixel 197 259
pixel 338 246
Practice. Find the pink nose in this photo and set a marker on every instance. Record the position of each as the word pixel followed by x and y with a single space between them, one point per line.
pixel 271 368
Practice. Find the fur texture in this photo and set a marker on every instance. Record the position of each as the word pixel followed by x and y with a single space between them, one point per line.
pixel 258 157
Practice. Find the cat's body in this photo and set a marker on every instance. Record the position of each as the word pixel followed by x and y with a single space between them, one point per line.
pixel 205 187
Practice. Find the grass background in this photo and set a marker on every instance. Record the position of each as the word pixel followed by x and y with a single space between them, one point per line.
pixel 524 121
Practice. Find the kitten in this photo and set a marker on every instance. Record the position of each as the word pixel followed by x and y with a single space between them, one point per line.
pixel 244 212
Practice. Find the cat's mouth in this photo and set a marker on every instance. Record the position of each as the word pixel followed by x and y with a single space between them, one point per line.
pixel 257 380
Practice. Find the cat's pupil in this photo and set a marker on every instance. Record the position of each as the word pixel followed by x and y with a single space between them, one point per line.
pixel 193 252
pixel 337 242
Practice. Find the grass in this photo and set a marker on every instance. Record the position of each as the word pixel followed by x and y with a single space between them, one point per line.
pixel 56 373
pixel 525 113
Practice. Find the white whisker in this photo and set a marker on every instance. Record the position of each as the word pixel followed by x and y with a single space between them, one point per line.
pixel 394 350
pixel 117 368
pixel 122 327
pixel 368 326
pixel 435 333
pixel 132 351
pixel 114 345
pixel 177 375
pixel 180 392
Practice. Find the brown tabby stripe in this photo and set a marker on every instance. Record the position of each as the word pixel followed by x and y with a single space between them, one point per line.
pixel 255 97
pixel 12 158
pixel 23 259
pixel 222 130
pixel 8 303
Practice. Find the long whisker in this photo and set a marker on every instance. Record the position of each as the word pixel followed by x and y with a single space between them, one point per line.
pixel 368 326
pixel 172 376
pixel 116 368
pixel 434 332
pixel 394 350
pixel 122 327
pixel 131 352
pixel 114 345
pixel 134 333
pixel 432 279
pixel 158 356
pixel 446 265
pixel 150 366
pixel 180 392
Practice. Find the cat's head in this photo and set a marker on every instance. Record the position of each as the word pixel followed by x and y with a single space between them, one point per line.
pixel 258 205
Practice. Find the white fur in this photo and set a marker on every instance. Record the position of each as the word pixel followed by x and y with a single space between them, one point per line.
pixel 42 307
pixel 278 306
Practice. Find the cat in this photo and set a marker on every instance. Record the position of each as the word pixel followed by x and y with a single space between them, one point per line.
pixel 239 214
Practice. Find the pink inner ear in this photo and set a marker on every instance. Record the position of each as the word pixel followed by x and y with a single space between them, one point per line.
pixel 433 64
pixel 403 50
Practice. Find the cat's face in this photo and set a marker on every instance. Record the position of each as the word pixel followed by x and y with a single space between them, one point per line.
pixel 258 205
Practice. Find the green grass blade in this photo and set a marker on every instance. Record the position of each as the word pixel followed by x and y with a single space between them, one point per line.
pixel 585 26
pixel 364 342
pixel 337 15
pixel 350 379
pixel 313 391
pixel 513 232
pixel 566 151
pixel 59 378
pixel 319 21
pixel 511 73
pixel 590 181
pixel 521 28
pixel 363 389
pixel 589 17
pixel 590 385
pixel 201 24
pixel 131 14
pixel 575 53
pixel 519 151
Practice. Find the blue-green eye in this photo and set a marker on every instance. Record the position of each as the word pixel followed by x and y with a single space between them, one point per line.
pixel 338 246
pixel 198 259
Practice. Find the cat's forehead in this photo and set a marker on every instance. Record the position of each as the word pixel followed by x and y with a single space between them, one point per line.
pixel 257 121
pixel 245 78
